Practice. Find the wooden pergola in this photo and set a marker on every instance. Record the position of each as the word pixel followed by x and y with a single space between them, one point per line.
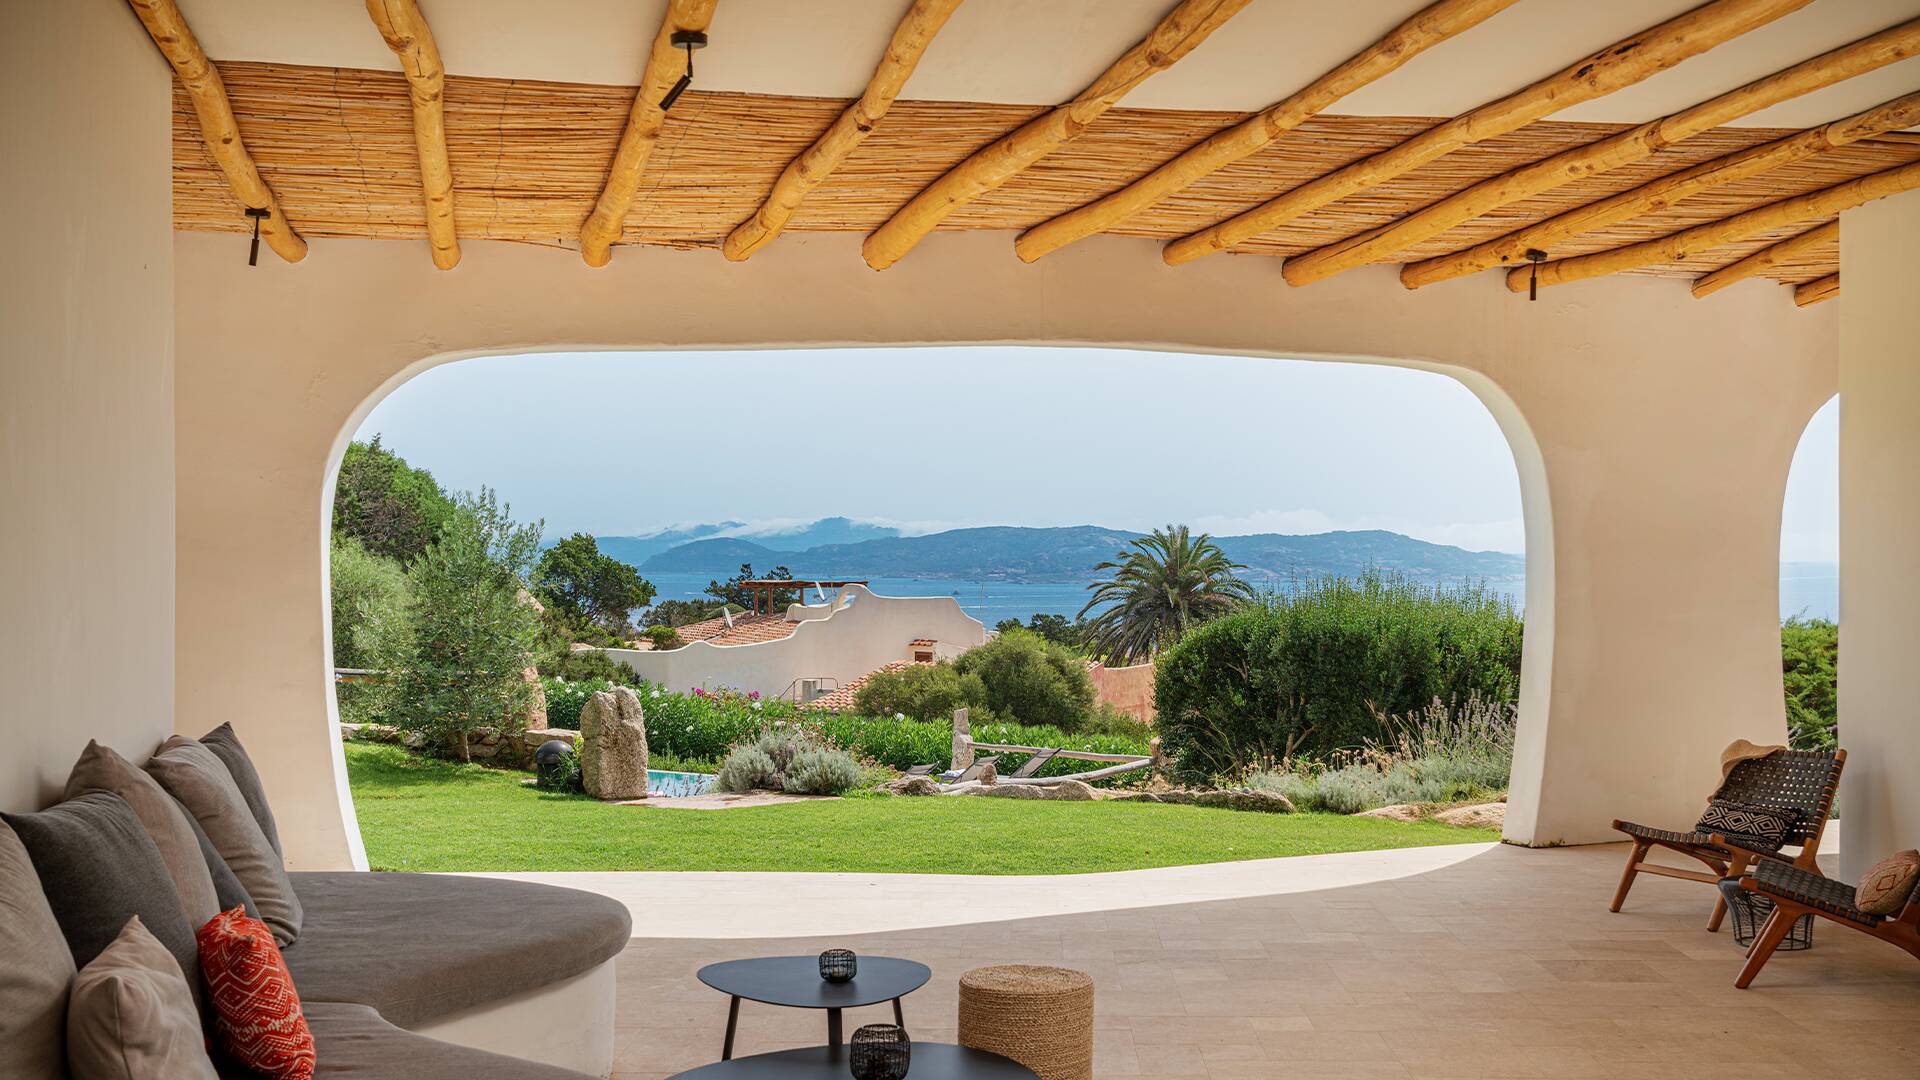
pixel 762 591
pixel 421 153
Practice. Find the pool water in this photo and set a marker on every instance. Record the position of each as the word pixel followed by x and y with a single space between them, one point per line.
pixel 677 784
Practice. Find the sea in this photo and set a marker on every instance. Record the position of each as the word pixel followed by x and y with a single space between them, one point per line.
pixel 1807 590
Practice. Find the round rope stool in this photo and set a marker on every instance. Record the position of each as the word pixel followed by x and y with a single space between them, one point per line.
pixel 1041 1017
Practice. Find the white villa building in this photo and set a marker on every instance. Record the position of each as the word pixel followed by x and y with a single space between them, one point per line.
pixel 811 650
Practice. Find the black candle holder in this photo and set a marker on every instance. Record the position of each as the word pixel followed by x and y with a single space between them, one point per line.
pixel 880 1052
pixel 839 965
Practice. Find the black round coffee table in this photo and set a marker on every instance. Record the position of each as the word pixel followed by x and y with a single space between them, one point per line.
pixel 795 983
pixel 931 1061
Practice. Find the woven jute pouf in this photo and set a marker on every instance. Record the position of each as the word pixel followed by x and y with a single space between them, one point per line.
pixel 1041 1017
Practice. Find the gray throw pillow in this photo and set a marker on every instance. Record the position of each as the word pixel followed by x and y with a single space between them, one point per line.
pixel 132 1015
pixel 192 774
pixel 226 888
pixel 100 769
pixel 226 746
pixel 35 973
pixel 99 868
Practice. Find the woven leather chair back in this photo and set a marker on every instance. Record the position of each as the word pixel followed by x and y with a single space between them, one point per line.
pixel 1803 780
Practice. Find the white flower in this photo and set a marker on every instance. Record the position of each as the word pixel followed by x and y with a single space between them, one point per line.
pixel 899 716
pixel 756 707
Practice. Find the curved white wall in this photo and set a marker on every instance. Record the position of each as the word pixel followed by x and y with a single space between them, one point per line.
pixel 1652 434
pixel 863 632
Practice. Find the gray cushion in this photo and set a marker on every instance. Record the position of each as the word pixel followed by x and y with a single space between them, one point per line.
pixel 101 769
pixel 99 868
pixel 36 971
pixel 421 946
pixel 132 1016
pixel 200 780
pixel 227 890
pixel 226 746
pixel 353 1042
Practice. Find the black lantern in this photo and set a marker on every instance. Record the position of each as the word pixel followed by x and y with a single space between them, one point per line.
pixel 553 765
pixel 838 965
pixel 880 1052
pixel 1751 911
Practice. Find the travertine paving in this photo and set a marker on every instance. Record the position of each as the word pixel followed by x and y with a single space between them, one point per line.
pixel 1503 964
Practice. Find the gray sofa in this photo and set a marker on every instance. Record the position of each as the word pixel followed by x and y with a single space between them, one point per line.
pixel 380 953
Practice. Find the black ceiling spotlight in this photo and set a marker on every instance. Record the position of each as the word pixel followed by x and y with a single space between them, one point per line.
pixel 256 213
pixel 688 40
pixel 1536 257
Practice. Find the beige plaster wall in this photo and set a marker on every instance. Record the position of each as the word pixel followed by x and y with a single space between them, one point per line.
pixel 1128 689
pixel 1879 530
pixel 86 393
pixel 1652 435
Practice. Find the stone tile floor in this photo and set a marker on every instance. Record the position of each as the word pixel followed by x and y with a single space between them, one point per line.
pixel 1504 965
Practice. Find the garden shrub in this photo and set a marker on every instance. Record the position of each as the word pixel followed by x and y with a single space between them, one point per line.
pixel 1438 754
pixel 747 767
pixel 820 771
pixel 1809 651
pixel 1027 679
pixel 921 691
pixel 664 637
pixel 361 583
pixel 1307 673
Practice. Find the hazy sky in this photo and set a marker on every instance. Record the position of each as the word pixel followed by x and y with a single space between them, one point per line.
pixel 619 443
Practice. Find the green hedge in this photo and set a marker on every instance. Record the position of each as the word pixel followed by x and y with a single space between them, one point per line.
pixel 1308 673
pixel 707 724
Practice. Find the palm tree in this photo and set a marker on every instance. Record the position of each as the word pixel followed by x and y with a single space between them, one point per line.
pixel 1168 583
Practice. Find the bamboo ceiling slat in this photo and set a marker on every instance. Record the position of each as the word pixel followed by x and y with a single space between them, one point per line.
pixel 529 158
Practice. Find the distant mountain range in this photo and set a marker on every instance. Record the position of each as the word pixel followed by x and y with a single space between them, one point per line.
pixel 636 550
pixel 1017 554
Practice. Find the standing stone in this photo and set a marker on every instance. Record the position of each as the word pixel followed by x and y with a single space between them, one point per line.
pixel 962 742
pixel 535 717
pixel 613 745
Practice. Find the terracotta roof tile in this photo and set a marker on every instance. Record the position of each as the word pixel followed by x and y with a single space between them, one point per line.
pixel 746 630
pixel 841 700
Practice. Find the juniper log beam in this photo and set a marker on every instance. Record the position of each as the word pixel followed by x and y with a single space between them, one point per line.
pixel 1424 30
pixel 1620 64
pixel 1812 292
pixel 1777 215
pixel 406 32
pixel 169 30
pixel 1657 195
pixel 1815 239
pixel 1635 144
pixel 1178 34
pixel 665 63
pixel 910 40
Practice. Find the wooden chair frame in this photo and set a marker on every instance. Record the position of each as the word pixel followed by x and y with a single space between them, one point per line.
pixel 1902 930
pixel 1722 858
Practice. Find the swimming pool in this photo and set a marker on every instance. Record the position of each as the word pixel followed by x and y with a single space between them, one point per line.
pixel 676 784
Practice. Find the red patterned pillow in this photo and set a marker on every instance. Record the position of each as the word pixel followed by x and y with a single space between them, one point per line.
pixel 256 1010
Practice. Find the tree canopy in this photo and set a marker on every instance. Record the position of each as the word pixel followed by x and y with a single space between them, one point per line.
pixel 1164 585
pixel 589 586
pixel 390 507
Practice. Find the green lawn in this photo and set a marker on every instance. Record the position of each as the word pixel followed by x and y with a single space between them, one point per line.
pixel 417 814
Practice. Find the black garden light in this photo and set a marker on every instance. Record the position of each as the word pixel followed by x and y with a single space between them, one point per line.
pixel 688 40
pixel 553 765
pixel 1536 257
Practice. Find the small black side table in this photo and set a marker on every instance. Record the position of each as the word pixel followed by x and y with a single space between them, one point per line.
pixel 795 983
pixel 931 1061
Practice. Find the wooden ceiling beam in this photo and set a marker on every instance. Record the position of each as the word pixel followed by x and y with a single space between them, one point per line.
pixel 1618 65
pixel 910 40
pixel 1427 28
pixel 1179 33
pixel 1814 239
pixel 665 64
pixel 1715 234
pixel 169 30
pixel 406 32
pixel 1658 195
pixel 1812 292
pixel 1635 144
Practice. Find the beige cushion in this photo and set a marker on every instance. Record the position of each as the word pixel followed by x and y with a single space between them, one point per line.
pixel 131 1016
pixel 1884 888
pixel 35 970
pixel 203 785
pixel 101 769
